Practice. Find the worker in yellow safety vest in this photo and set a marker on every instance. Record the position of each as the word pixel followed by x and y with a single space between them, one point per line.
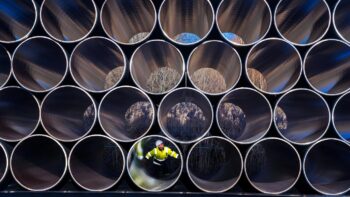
pixel 160 153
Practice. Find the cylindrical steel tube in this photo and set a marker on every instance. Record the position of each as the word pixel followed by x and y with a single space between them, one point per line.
pixel 128 22
pixel 38 163
pixel 150 174
pixel 68 21
pixel 4 162
pixel 243 22
pixel 6 68
pixel 19 114
pixel 244 115
pixel 271 73
pixel 341 117
pixel 68 113
pixel 186 22
pixel 214 67
pixel 272 166
pixel 126 113
pixel 157 67
pixel 214 164
pixel 327 67
pixel 96 163
pixel 302 116
pixel 341 22
pixel 185 115
pixel 302 22
pixel 17 21
pixel 97 64
pixel 39 64
pixel 326 166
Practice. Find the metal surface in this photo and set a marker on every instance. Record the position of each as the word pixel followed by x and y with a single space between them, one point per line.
pixel 341 23
pixel 341 117
pixel 5 68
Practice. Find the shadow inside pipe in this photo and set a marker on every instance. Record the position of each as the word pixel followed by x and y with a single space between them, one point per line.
pixel 5 69
pixel 4 163
pixel 341 19
pixel 341 117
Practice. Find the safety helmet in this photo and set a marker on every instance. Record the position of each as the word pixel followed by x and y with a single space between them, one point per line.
pixel 159 142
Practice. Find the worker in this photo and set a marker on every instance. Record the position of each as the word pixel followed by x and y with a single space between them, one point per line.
pixel 160 153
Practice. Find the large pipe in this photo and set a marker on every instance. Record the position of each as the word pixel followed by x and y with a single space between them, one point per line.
pixel 145 173
pixel 157 67
pixel 214 67
pixel 39 64
pixel 302 116
pixel 272 166
pixel 326 166
pixel 186 22
pixel 341 117
pixel 302 22
pixel 327 67
pixel 270 73
pixel 341 23
pixel 19 114
pixel 6 68
pixel 96 163
pixel 244 115
pixel 185 115
pixel 214 164
pixel 17 21
pixel 97 64
pixel 126 114
pixel 68 113
pixel 38 163
pixel 243 22
pixel 128 22
pixel 68 21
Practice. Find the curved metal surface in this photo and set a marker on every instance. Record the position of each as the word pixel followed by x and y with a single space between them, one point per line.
pixel 341 117
pixel 5 68
pixel 4 162
pixel 341 22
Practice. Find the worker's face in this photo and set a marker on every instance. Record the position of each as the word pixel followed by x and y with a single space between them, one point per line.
pixel 161 146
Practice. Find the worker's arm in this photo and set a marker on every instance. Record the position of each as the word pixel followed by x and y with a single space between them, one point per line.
pixel 150 154
pixel 172 153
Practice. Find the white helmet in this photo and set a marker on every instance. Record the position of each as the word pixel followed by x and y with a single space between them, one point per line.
pixel 159 142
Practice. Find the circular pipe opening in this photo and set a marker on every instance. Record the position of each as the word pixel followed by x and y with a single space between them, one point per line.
pixel 68 21
pixel 157 67
pixel 4 163
pixel 302 22
pixel 326 167
pixel 214 164
pixel 273 74
pixel 126 114
pixel 18 19
pixel 150 174
pixel 128 22
pixel 244 115
pixel 326 67
pixel 243 22
pixel 272 166
pixel 302 116
pixel 214 67
pixel 6 68
pixel 341 117
pixel 38 163
pixel 39 64
pixel 185 115
pixel 68 119
pixel 96 163
pixel 341 23
pixel 97 64
pixel 19 114
pixel 186 22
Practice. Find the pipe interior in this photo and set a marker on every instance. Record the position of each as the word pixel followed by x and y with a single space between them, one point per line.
pixel 5 62
pixel 39 64
pixel 66 118
pixel 68 20
pixel 17 18
pixel 186 22
pixel 281 72
pixel 302 22
pixel 128 21
pixel 145 174
pixel 307 116
pixel 97 64
pixel 96 163
pixel 342 117
pixel 219 56
pixel 254 120
pixel 341 19
pixel 327 67
pixel 189 123
pixel 38 163
pixel 327 167
pixel 272 166
pixel 214 165
pixel 243 21
pixel 19 114
pixel 126 114
pixel 3 163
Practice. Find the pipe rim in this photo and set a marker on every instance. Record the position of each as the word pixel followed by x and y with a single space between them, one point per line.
pixel 10 65
pixel 341 35
pixel 333 116
pixel 3 149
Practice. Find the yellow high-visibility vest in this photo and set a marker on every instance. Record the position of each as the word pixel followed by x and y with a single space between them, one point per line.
pixel 161 155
